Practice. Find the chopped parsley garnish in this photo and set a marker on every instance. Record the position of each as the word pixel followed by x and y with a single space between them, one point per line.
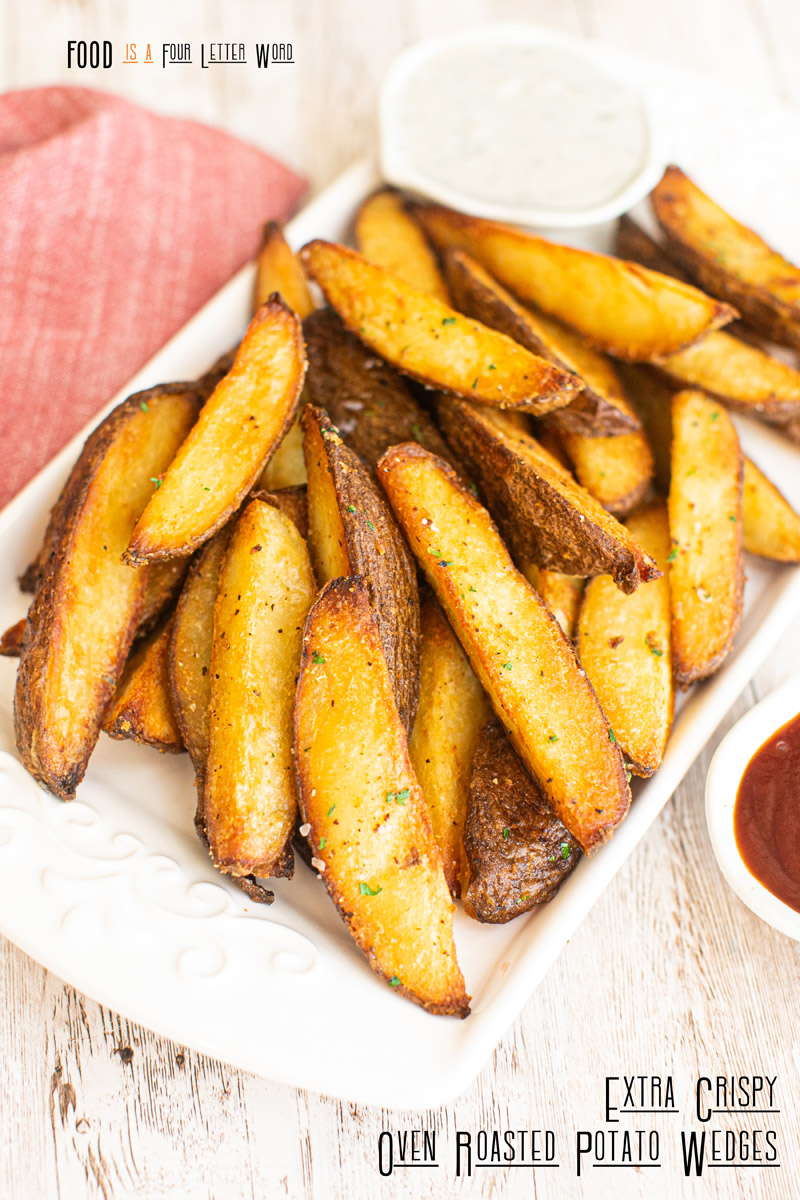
pixel 398 797
pixel 394 981
pixel 417 432
pixel 472 589
pixel 732 517
pixel 448 320
pixel 566 850
pixel 317 658
pixel 673 554
pixel 351 508
pixel 322 843
pixel 366 890
pixel 653 646
pixel 154 479
pixel 506 666
pixel 475 383
pixel 144 406
pixel 330 810
pixel 552 737
pixel 715 416
pixel 612 737
pixel 505 834
pixel 492 367
pixel 372 527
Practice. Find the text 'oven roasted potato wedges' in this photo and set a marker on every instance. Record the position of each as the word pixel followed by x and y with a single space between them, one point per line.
pixel 430 341
pixel 600 406
pixel 388 235
pixel 619 307
pixel 266 587
pixel 728 259
pixel 518 852
pixel 625 647
pixel 352 531
pixel 453 709
pixel 278 270
pixel 705 522
pixel 515 646
pixel 142 708
pixel 369 827
pixel 370 404
pixel 241 423
pixel 88 603
pixel 544 515
pixel 770 526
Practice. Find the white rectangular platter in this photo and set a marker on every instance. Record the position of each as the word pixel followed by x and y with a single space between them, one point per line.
pixel 115 894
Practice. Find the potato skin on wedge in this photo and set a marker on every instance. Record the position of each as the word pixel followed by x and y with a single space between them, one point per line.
pixel 266 587
pixel 453 709
pixel 619 307
pixel 352 531
pixel 544 515
pixel 705 521
pixel 142 708
pixel 370 831
pixel 625 647
pixel 388 235
pixel 430 341
pixel 517 850
pixel 88 603
pixel 242 423
pixel 515 646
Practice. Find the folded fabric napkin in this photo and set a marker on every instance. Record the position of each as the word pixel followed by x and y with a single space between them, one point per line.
pixel 116 225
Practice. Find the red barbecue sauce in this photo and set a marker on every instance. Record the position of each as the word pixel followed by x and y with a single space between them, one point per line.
pixel 766 816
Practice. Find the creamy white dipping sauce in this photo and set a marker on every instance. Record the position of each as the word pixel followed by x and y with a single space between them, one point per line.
pixel 529 126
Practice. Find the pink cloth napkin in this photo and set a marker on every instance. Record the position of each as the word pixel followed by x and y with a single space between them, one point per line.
pixel 115 226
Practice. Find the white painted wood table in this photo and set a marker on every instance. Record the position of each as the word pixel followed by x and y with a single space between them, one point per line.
pixel 670 973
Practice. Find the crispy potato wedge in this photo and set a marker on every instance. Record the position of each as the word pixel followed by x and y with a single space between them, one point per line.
pixel 388 235
pixel 88 603
pixel 624 645
pixel 561 593
pixel 619 307
pixel 634 243
pixel 241 424
pixel 729 259
pixel 11 640
pixel 651 396
pixel 370 829
pixel 293 503
pixel 544 515
pixel 430 341
pixel 277 270
pixel 370 404
pixel 617 471
pixel 352 531
pixel 516 648
pixel 266 587
pixel 517 850
pixel 142 708
pixel 705 521
pixel 453 709
pixel 600 406
pixel 287 467
pixel 770 526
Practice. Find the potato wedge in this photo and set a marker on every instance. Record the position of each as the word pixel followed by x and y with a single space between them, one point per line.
pixel 88 603
pixel 266 587
pixel 516 648
pixel 430 341
pixel 600 406
pixel 561 593
pixel 388 235
pixel 634 243
pixel 352 531
pixel 241 424
pixel 453 709
pixel 277 270
pixel 517 850
pixel 625 647
pixel 142 708
pixel 544 515
pixel 293 503
pixel 619 307
pixel 617 471
pixel 770 526
pixel 369 403
pixel 370 829
pixel 729 259
pixel 705 521
pixel 287 467
pixel 11 640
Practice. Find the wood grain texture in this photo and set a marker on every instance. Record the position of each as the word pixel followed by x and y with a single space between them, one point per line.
pixel 669 973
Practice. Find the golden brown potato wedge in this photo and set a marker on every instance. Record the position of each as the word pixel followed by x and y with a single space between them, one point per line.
pixel 293 503
pixel 453 709
pixel 705 521
pixel 770 526
pixel 516 648
pixel 142 708
pixel 728 259
pixel 624 645
pixel 287 467
pixel 352 531
pixel 241 424
pixel 544 515
pixel 617 471
pixel 651 396
pixel 619 307
pixel 600 406
pixel 370 404
pixel 88 603
pixel 561 593
pixel 388 235
pixel 369 826
pixel 430 341
pixel 11 640
pixel 517 850
pixel 266 587
pixel 277 270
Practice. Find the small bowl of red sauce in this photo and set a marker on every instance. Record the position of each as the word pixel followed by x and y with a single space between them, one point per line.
pixel 753 808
